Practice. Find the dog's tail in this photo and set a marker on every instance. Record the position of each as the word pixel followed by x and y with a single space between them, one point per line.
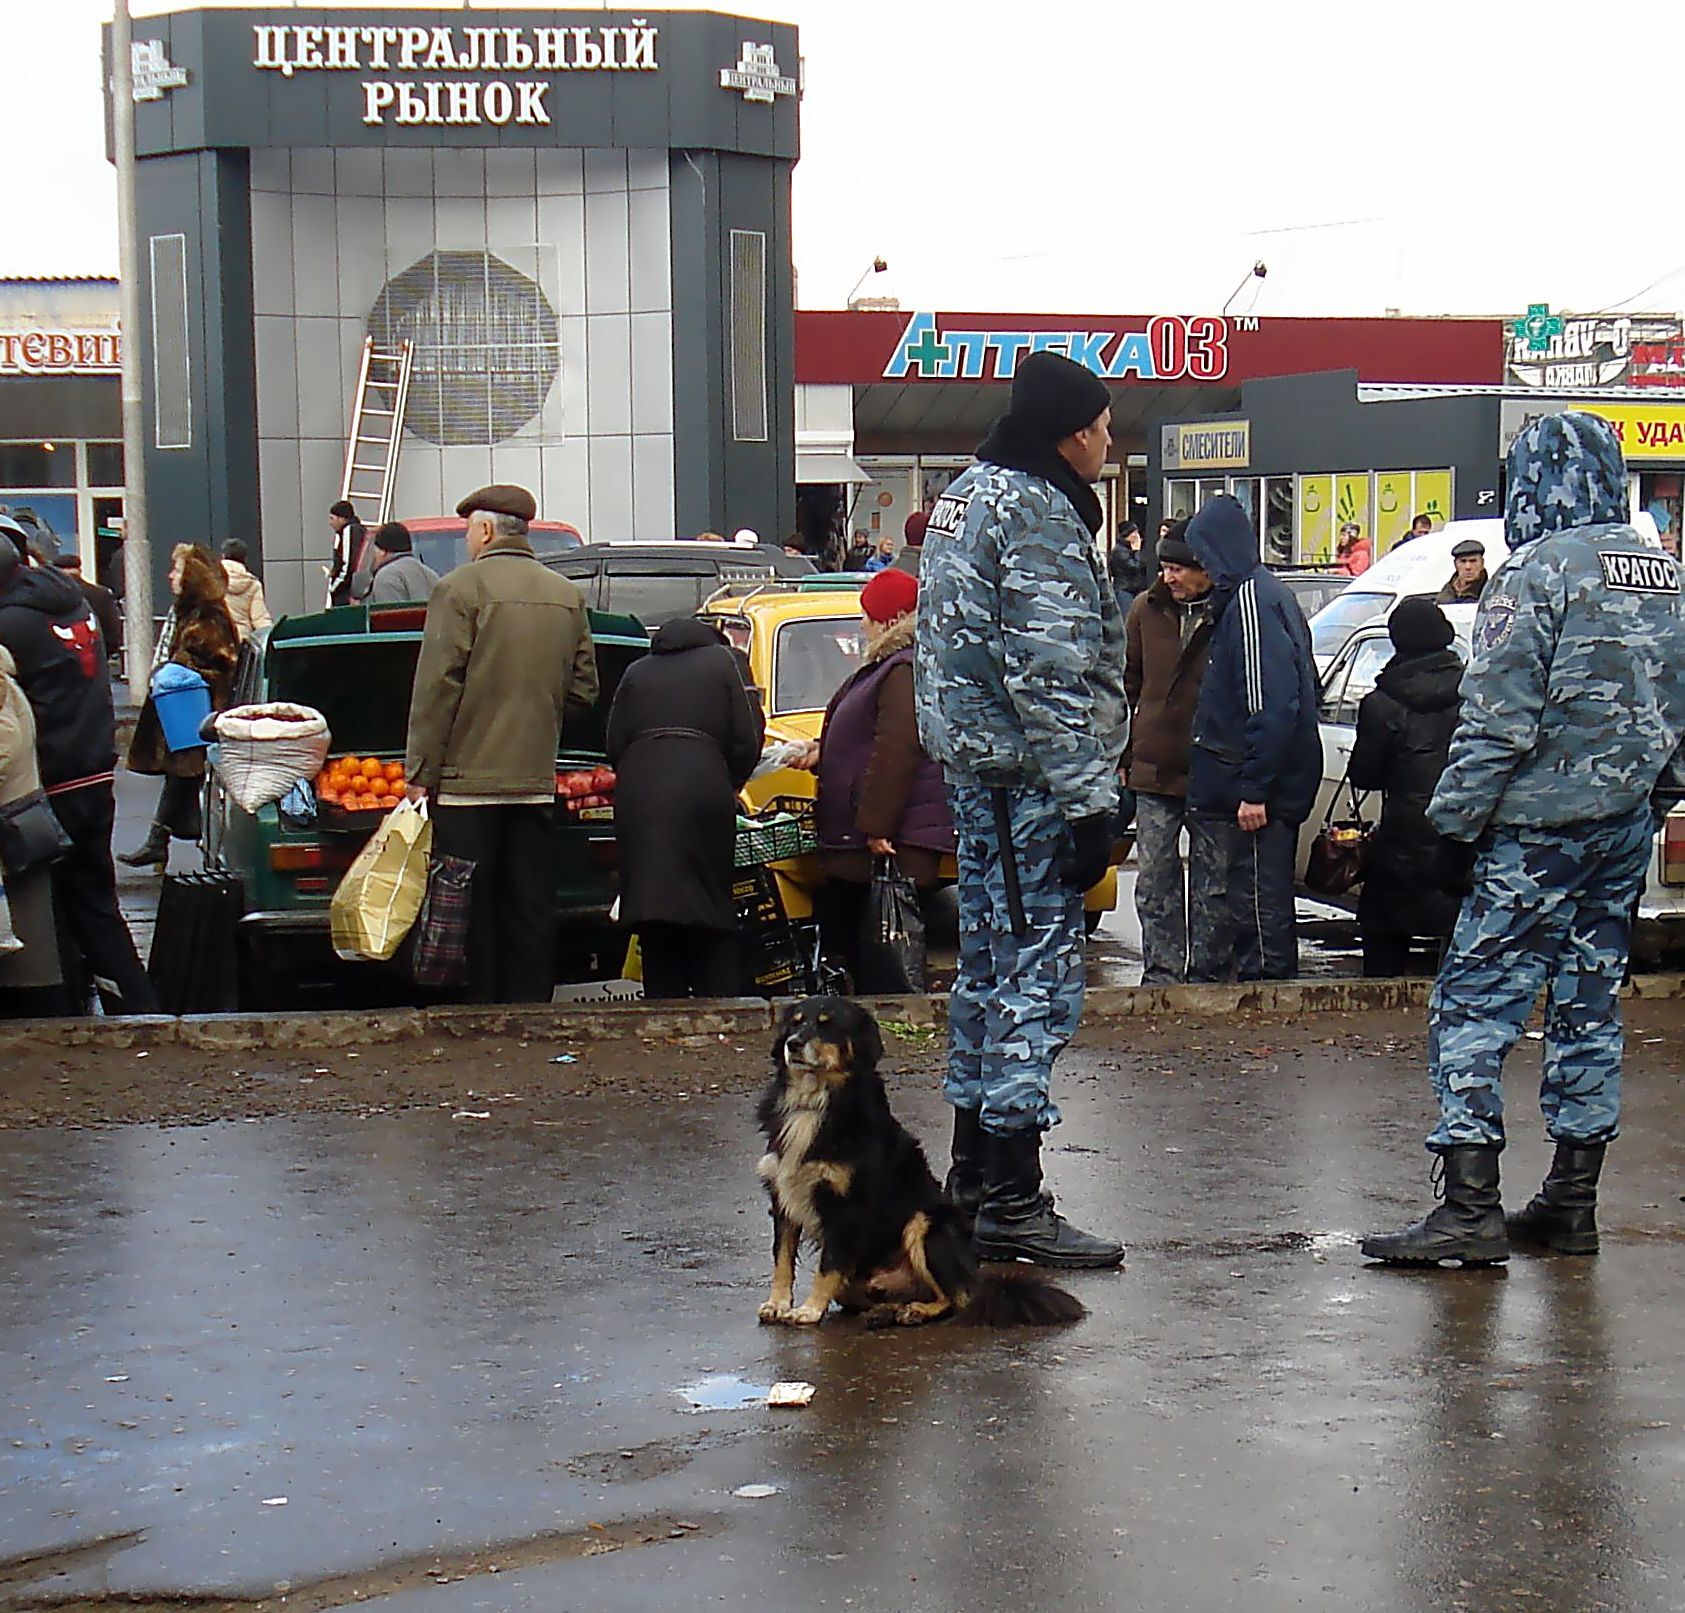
pixel 1015 1298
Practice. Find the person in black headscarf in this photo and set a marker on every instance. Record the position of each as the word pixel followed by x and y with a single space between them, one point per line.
pixel 1404 728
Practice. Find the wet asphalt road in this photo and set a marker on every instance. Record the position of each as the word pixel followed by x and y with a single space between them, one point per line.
pixel 455 1344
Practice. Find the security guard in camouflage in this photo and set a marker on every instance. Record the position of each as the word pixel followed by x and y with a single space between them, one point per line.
pixel 1569 746
pixel 1019 676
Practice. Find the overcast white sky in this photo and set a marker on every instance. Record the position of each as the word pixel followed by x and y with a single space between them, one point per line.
pixel 1465 157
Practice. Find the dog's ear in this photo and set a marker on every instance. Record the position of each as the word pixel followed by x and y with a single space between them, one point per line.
pixel 780 1060
pixel 866 1041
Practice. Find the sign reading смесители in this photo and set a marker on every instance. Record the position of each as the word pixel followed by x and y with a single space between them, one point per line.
pixel 1215 445
pixel 290 48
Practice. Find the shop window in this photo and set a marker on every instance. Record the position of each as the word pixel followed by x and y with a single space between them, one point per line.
pixel 1244 490
pixel 1180 500
pixel 1660 495
pixel 105 464
pixel 37 464
pixel 1210 487
pixel 1278 520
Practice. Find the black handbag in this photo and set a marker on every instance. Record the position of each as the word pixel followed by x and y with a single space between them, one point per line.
pixel 892 946
pixel 1336 859
pixel 31 835
pixel 195 962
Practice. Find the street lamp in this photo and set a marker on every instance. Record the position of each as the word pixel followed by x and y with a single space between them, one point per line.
pixel 1256 272
pixel 877 266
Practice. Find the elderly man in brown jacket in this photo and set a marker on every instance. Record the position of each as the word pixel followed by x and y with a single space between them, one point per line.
pixel 1167 642
pixel 506 651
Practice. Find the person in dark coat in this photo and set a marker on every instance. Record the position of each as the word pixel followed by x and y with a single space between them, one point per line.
pixel 101 601
pixel 879 794
pixel 1127 563
pixel 198 633
pixel 683 737
pixel 1404 728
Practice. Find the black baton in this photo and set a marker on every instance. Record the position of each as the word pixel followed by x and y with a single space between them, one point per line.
pixel 1009 863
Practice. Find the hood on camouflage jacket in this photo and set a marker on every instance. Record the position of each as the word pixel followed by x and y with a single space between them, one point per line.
pixel 1255 732
pixel 1018 661
pixel 1573 706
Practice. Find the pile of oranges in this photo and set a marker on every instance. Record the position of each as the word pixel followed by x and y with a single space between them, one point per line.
pixel 361 784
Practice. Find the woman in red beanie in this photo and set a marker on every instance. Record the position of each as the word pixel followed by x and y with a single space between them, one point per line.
pixel 879 794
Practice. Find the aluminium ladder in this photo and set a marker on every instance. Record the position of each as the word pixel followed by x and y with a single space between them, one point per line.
pixel 377 429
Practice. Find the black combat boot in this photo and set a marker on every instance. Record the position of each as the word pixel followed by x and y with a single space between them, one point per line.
pixel 965 1175
pixel 154 851
pixel 1563 1214
pixel 1468 1226
pixel 1016 1220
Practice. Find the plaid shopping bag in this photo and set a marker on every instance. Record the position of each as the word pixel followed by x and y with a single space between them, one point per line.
pixel 440 940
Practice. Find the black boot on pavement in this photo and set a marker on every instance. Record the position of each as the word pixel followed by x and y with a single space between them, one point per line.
pixel 1468 1226
pixel 1017 1221
pixel 154 850
pixel 965 1175
pixel 1562 1216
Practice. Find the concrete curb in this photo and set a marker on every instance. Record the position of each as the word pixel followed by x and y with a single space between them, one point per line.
pixel 744 1018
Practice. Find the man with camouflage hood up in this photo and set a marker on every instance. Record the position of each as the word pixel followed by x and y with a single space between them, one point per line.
pixel 1019 679
pixel 1569 745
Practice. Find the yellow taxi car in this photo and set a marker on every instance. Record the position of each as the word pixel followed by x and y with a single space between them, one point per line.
pixel 803 638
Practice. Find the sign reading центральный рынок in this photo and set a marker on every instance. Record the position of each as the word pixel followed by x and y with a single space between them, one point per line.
pixel 289 48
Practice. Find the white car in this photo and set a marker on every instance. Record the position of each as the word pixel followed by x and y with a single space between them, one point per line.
pixel 1351 675
pixel 1422 566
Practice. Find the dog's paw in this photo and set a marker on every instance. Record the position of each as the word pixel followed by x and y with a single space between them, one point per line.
pixel 881 1316
pixel 806 1315
pixel 773 1314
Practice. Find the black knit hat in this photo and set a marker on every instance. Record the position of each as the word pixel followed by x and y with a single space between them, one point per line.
pixel 1053 397
pixel 1418 626
pixel 1173 550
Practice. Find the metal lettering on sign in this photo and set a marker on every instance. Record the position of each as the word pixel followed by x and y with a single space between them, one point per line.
pixel 289 49
pixel 60 352
pixel 1171 348
pixel 756 75
pixel 152 70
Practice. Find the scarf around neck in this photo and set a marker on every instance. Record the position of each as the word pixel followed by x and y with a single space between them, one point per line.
pixel 1008 446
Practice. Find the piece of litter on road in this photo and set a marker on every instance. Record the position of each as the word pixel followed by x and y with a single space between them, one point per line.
pixel 1535 1036
pixel 121 1377
pixel 564 1058
pixel 143 1055
pixel 275 1501
pixel 472 1114
pixel 790 1394
pixel 755 1492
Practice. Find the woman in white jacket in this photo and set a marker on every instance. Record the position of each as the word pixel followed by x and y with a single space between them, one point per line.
pixel 245 601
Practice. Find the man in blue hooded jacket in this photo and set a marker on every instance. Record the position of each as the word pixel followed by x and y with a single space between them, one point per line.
pixel 1018 669
pixel 1256 758
pixel 1569 744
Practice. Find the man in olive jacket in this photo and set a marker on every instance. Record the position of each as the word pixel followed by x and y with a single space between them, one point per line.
pixel 506 650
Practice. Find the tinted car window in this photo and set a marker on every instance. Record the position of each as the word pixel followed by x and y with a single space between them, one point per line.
pixel 810 660
pixel 655 600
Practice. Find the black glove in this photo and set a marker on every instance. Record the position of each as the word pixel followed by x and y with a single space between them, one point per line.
pixel 1085 861
pixel 1456 865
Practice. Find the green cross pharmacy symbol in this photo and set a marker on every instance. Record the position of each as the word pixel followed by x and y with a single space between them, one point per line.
pixel 1538 327
pixel 929 352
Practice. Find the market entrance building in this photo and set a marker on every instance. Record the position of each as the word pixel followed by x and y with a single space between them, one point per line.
pixel 575 224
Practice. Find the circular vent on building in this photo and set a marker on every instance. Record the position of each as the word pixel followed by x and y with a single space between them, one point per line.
pixel 485 343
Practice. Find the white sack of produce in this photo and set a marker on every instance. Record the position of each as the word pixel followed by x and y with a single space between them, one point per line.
pixel 263 751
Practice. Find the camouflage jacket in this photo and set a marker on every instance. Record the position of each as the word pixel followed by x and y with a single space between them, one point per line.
pixel 1573 702
pixel 1020 647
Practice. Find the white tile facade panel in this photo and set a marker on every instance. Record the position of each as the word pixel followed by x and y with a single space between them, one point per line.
pixel 576 417
pixel 359 171
pixel 458 172
pixel 315 255
pixel 610 461
pixel 272 252
pixel 651 257
pixel 646 170
pixel 277 377
pixel 605 173
pixel 608 374
pixel 561 225
pixel 560 171
pixel 652 373
pixel 322 397
pixel 511 173
pixel 283 515
pixel 608 281
pixel 409 171
pixel 567 479
pixel 652 488
pixel 419 490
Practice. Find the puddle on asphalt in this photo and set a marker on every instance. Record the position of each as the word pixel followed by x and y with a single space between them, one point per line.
pixel 722 1392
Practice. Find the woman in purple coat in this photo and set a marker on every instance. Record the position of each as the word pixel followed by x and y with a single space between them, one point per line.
pixel 879 794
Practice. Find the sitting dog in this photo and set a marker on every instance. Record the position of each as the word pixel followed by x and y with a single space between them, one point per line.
pixel 841 1169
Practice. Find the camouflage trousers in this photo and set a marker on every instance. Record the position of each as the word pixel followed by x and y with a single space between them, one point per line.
pixel 1164 889
pixel 1016 1000
pixel 1550 908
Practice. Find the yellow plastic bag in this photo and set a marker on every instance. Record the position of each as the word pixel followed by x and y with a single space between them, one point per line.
pixel 380 897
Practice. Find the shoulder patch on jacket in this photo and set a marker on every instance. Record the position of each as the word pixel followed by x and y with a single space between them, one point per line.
pixel 1639 573
pixel 947 515
pixel 1497 617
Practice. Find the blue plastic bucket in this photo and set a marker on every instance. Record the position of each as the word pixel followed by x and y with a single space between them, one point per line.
pixel 182 699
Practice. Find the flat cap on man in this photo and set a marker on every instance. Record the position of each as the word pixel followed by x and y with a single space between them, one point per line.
pixel 1468 549
pixel 501 498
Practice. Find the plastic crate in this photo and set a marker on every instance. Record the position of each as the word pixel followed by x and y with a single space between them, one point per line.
pixel 770 839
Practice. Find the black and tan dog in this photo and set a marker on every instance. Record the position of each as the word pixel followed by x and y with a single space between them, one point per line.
pixel 841 1169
